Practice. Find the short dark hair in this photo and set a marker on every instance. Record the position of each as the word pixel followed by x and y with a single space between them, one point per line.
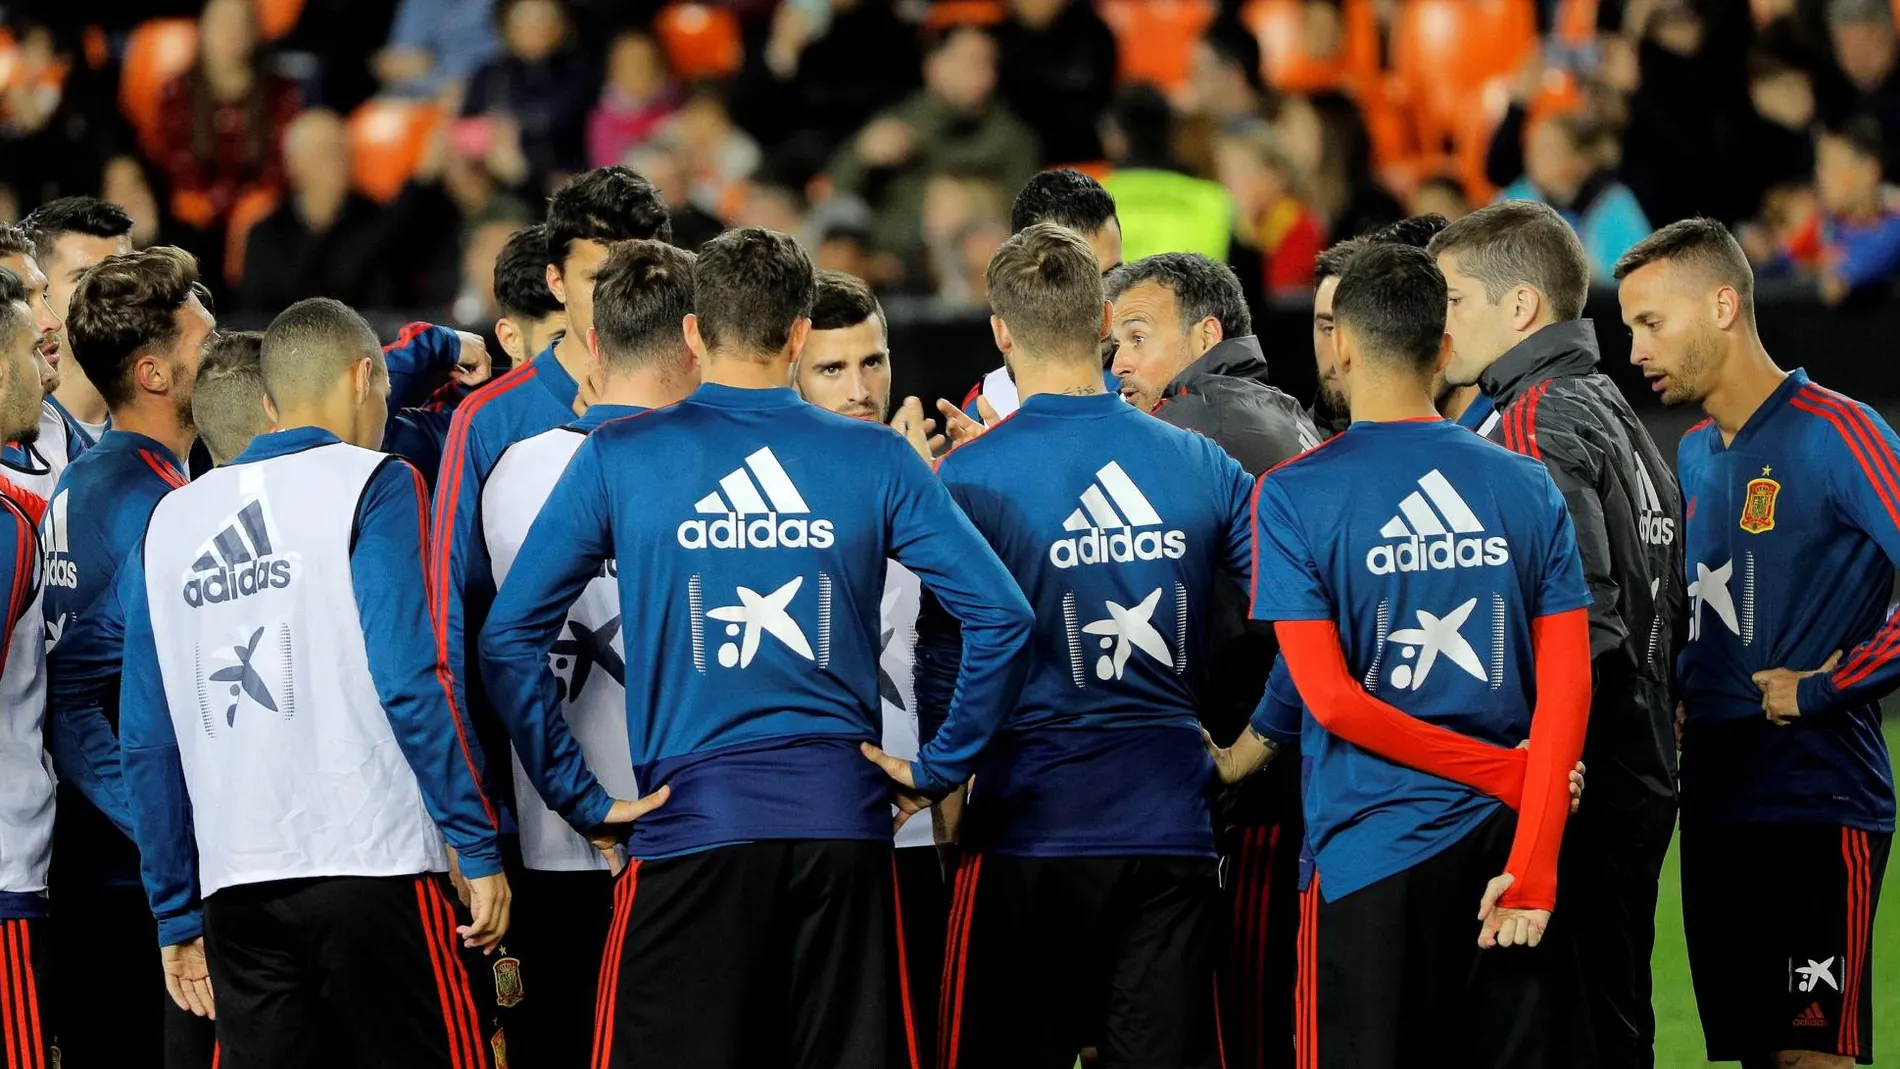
pixel 844 300
pixel 606 205
pixel 1415 231
pixel 1045 285
pixel 14 316
pixel 1702 244
pixel 1200 286
pixel 227 404
pixel 1860 133
pixel 127 305
pixel 1392 298
pixel 749 287
pixel 312 343
pixel 521 276
pixel 1235 45
pixel 1064 197
pixel 73 215
pixel 1520 242
pixel 641 294
pixel 14 242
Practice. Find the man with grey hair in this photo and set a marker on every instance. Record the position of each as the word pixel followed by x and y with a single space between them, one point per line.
pixel 1516 278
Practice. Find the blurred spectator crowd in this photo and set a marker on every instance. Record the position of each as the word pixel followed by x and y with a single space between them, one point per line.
pixel 381 151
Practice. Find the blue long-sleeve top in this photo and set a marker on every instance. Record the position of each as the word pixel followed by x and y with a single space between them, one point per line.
pixel 387 579
pixel 750 532
pixel 98 513
pixel 535 397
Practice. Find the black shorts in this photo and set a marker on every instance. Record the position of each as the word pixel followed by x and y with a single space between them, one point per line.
pixel 1779 919
pixel 25 1041
pixel 1050 955
pixel 557 932
pixel 767 953
pixel 347 970
pixel 1391 975
pixel 1260 872
pixel 106 1005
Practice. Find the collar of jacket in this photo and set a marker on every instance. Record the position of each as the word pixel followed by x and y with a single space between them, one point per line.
pixel 1558 350
pixel 1233 358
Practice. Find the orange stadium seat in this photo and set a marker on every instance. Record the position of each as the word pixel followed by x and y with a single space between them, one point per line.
pixel 386 141
pixel 1445 51
pixel 1156 37
pixel 157 51
pixel 1577 22
pixel 946 13
pixel 701 40
pixel 275 18
pixel 249 210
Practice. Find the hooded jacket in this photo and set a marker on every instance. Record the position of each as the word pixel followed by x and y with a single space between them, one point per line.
pixel 1224 395
pixel 1627 509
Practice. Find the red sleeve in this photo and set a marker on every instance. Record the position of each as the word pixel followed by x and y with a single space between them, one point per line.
pixel 1344 708
pixel 1561 645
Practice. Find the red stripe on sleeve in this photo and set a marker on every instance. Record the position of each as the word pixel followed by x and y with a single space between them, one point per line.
pixel 410 332
pixel 439 624
pixel 1876 463
pixel 449 491
pixel 172 476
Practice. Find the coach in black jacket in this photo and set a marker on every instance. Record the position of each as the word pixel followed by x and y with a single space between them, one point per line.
pixel 1517 278
pixel 1185 351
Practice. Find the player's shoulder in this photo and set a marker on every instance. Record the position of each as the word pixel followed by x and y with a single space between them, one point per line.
pixel 1842 420
pixel 493 403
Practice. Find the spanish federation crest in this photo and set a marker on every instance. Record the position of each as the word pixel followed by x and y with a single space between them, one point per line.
pixel 1758 506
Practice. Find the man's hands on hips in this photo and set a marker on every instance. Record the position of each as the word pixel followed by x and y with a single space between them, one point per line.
pixel 1779 687
pixel 188 978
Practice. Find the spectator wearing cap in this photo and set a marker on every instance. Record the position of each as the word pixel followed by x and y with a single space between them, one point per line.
pixel 1057 71
pixel 955 125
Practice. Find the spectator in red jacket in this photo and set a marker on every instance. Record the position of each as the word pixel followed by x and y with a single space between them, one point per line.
pixel 222 122
pixel 1270 216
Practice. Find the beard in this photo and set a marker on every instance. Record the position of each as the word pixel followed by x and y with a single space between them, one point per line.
pixel 1699 355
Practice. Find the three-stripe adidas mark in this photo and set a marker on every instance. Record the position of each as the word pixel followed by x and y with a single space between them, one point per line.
pixel 237 561
pixel 1109 525
pixel 758 507
pixel 1437 530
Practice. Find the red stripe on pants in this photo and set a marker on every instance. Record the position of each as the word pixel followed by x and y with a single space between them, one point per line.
pixel 609 994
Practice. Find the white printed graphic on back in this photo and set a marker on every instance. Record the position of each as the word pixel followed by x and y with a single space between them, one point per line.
pixel 1435 530
pixel 758 507
pixel 1115 524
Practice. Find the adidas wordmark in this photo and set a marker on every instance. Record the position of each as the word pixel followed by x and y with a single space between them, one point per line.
pixel 757 508
pixel 1437 530
pixel 1115 524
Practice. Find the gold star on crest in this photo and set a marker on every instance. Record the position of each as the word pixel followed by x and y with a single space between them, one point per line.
pixel 1767 471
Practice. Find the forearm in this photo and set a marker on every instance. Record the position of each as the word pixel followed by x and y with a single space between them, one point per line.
pixel 1867 673
pixel 1344 709
pixel 86 757
pixel 1561 646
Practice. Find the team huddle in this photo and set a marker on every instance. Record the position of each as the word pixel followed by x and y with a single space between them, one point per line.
pixel 671 701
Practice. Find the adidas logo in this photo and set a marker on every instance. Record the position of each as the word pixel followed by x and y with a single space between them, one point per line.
pixel 1434 524
pixel 237 562
pixel 758 508
pixel 1812 1017
pixel 58 569
pixel 1653 525
pixel 1108 526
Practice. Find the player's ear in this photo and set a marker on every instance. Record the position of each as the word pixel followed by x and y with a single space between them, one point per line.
pixel 1727 307
pixel 362 377
pixel 1207 334
pixel 513 340
pixel 801 330
pixel 1443 360
pixel 556 285
pixel 1526 303
pixel 1000 331
pixel 690 326
pixel 1108 322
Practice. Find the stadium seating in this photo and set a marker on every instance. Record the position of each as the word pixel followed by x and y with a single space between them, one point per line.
pixel 387 137
pixel 1288 65
pixel 156 51
pixel 701 40
pixel 946 13
pixel 1155 38
pixel 275 18
pixel 1445 51
pixel 249 210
